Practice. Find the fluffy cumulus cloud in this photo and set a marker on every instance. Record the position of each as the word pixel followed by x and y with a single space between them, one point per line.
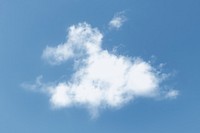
pixel 118 20
pixel 101 79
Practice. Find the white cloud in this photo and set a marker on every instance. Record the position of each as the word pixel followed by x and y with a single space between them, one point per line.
pixel 101 79
pixel 117 21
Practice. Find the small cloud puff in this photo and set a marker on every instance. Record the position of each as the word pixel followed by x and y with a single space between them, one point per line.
pixel 101 79
pixel 172 94
pixel 118 20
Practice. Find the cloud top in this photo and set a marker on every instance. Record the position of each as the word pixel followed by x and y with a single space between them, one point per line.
pixel 82 39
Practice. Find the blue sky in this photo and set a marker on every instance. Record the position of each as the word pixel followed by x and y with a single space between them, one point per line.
pixel 156 32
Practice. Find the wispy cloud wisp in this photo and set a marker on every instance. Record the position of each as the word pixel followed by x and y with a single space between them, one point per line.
pixel 118 20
